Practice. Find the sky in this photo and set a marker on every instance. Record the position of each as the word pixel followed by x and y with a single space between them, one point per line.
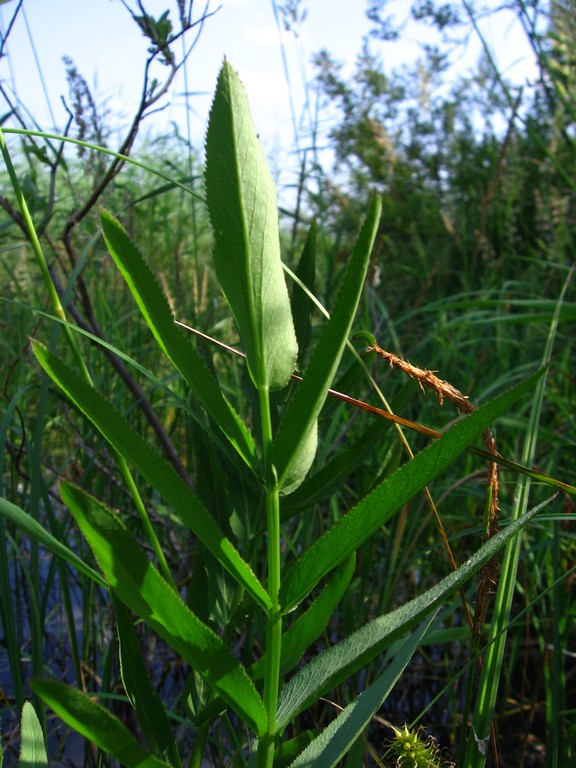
pixel 108 50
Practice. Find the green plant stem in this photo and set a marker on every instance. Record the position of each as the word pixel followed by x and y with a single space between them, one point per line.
pixel 61 315
pixel 198 749
pixel 274 617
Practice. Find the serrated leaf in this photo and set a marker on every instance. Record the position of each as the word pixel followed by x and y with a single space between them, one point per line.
pixel 96 724
pixel 171 339
pixel 360 523
pixel 342 660
pixel 140 587
pixel 152 467
pixel 243 212
pixel 32 745
pixel 302 411
pixel 339 736
pixel 313 622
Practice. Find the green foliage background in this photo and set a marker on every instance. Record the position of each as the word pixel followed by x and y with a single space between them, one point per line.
pixel 475 244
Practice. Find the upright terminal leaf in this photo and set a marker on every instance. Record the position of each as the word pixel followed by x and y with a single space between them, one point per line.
pixel 242 205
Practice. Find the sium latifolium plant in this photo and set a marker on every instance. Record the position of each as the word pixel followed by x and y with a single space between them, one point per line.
pixel 245 580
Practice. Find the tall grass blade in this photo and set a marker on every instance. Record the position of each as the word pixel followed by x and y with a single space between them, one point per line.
pixel 9 611
pixel 37 532
pixel 39 255
pixel 172 182
pixel 476 750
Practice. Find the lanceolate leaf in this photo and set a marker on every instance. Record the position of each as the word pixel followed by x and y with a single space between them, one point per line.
pixel 332 474
pixel 94 722
pixel 302 412
pixel 358 525
pixel 32 747
pixel 310 625
pixel 138 584
pixel 172 340
pixel 342 660
pixel 156 471
pixel 241 201
pixel 339 736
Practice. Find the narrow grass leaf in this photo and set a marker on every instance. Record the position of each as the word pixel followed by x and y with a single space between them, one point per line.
pixel 32 527
pixel 152 717
pixel 358 525
pixel 172 340
pixel 340 735
pixel 241 200
pixel 341 661
pixel 140 587
pixel 95 723
pixel 32 745
pixel 493 661
pixel 153 468
pixel 302 412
